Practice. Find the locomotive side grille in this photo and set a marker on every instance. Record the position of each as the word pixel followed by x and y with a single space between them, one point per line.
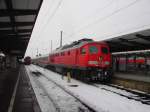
pixel 93 62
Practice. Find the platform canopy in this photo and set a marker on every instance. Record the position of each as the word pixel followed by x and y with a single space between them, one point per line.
pixel 17 19
pixel 130 42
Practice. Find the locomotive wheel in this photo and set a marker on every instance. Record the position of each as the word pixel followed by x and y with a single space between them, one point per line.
pixel 78 75
pixel 83 76
pixel 74 73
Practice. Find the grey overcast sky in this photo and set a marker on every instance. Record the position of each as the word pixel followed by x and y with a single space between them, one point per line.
pixel 96 19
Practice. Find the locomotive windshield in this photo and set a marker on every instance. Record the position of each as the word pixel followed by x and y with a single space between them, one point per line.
pixel 104 50
pixel 93 49
pixel 83 51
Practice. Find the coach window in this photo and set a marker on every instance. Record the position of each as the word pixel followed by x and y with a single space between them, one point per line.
pixel 104 50
pixel 83 51
pixel 93 49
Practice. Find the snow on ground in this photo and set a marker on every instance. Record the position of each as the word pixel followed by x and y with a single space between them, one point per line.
pixel 45 104
pixel 99 99
pixel 62 101
pixel 123 92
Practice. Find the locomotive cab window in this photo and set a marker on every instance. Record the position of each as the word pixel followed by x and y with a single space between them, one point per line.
pixel 83 51
pixel 93 49
pixel 104 50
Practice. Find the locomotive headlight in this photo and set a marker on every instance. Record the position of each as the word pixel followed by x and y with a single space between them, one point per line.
pixel 93 62
pixel 107 62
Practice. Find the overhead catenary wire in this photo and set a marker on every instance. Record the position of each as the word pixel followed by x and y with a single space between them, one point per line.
pixel 88 25
pixel 98 10
pixel 43 23
pixel 130 29
pixel 58 5
pixel 50 17
pixel 106 17
pixel 102 9
pixel 97 21
pixel 45 15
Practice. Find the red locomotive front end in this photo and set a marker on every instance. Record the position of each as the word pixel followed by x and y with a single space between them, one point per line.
pixel 95 55
pixel 95 59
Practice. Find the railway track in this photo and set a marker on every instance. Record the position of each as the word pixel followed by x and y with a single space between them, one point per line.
pixel 137 96
pixel 134 95
pixel 130 94
pixel 80 109
pixel 97 98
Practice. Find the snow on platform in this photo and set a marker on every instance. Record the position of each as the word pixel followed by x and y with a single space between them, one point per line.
pixel 45 105
pixel 51 97
pixel 99 99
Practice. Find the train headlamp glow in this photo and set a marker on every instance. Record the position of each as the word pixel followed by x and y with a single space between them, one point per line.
pixel 93 62
pixel 107 63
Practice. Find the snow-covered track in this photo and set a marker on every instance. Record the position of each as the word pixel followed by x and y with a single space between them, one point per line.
pixel 82 107
pixel 51 99
pixel 135 95
pixel 98 99
pixel 130 94
pixel 55 103
pixel 145 97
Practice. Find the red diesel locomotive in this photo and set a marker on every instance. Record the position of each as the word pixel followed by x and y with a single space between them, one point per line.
pixel 84 59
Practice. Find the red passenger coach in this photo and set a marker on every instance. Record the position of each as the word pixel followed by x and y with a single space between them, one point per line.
pixel 84 59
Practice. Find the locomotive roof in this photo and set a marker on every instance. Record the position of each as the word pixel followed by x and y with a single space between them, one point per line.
pixel 75 44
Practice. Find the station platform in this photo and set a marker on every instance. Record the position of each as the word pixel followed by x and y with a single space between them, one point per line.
pixel 132 81
pixel 8 79
pixel 16 94
pixel 137 77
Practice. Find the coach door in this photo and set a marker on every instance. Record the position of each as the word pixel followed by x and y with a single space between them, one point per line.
pixel 77 57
